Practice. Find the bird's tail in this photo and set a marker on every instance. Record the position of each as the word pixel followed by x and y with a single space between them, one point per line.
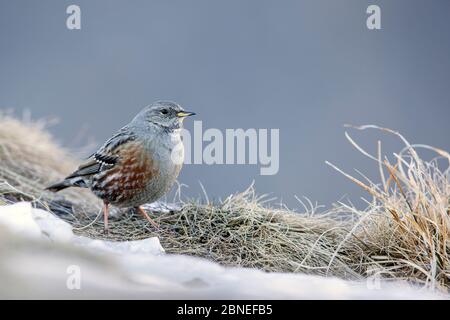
pixel 66 183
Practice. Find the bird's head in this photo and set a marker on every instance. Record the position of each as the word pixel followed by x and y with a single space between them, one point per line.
pixel 167 114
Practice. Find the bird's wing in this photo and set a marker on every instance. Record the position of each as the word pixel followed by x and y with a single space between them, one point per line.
pixel 106 157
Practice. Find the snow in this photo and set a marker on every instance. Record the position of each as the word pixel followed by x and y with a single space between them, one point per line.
pixel 40 252
pixel 146 246
pixel 19 220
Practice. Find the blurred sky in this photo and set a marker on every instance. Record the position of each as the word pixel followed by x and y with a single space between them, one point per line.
pixel 306 67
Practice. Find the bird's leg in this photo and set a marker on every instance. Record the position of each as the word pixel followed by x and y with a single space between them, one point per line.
pixel 142 211
pixel 105 215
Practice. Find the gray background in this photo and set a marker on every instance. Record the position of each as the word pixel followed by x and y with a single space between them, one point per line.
pixel 306 67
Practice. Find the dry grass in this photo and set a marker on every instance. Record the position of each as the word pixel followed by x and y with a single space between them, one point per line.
pixel 403 233
pixel 239 231
pixel 406 227
pixel 30 160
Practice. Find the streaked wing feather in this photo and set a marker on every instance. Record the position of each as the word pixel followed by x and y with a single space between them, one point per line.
pixel 105 157
pixel 88 168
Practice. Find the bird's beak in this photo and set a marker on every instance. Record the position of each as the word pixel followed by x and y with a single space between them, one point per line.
pixel 183 114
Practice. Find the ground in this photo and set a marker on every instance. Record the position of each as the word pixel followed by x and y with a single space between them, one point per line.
pixel 42 258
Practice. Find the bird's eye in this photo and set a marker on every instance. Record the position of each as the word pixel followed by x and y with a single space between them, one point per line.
pixel 164 111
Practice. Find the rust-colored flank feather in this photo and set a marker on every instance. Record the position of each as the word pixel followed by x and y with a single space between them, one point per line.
pixel 128 177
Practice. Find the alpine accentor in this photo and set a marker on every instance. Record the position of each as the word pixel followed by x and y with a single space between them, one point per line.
pixel 137 165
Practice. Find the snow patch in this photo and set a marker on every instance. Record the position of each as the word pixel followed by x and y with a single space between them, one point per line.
pixel 18 219
pixel 140 269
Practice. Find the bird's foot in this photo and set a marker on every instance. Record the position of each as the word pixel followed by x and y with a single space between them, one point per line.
pixel 146 216
pixel 105 217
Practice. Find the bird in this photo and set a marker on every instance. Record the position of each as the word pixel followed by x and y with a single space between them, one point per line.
pixel 138 164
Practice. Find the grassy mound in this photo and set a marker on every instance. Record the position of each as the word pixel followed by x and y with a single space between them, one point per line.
pixel 403 233
pixel 240 232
